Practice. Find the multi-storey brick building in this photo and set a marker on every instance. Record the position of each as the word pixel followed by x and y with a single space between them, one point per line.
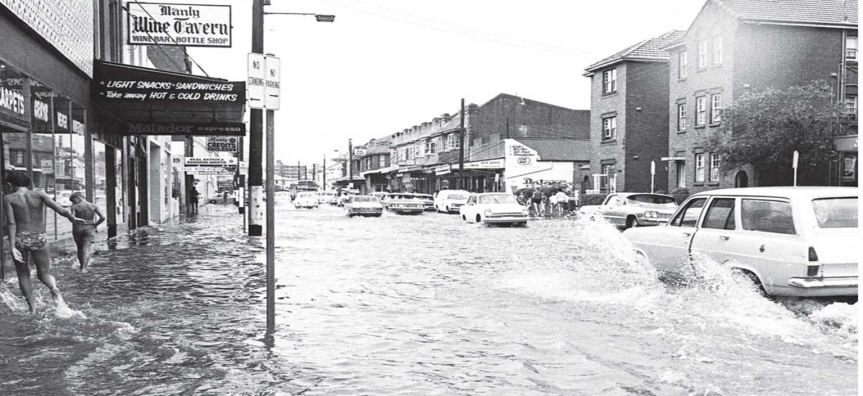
pixel 374 164
pixel 629 117
pixel 737 45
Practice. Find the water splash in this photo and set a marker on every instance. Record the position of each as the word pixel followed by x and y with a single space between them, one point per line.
pixel 63 311
pixel 14 303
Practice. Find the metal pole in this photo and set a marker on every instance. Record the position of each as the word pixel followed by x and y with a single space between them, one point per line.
pixel 271 226
pixel 460 183
pixel 350 163
pixel 256 131
pixel 324 178
pixel 241 181
pixel 299 175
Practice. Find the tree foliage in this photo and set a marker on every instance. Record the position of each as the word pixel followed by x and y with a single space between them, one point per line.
pixel 763 128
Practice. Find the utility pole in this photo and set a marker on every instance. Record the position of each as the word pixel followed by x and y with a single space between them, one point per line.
pixel 299 175
pixel 350 163
pixel 325 173
pixel 256 121
pixel 241 182
pixel 314 172
pixel 460 183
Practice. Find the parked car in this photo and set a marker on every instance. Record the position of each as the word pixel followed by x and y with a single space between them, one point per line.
pixel 63 198
pixel 427 200
pixel 791 241
pixel 306 199
pixel 627 210
pixel 403 203
pixel 494 208
pixel 449 201
pixel 325 196
pixel 335 200
pixel 363 205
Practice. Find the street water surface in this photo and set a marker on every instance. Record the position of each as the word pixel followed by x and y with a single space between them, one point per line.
pixel 411 305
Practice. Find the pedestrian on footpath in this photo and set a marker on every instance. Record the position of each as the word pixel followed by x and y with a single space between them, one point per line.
pixel 85 234
pixel 536 200
pixel 193 200
pixel 25 220
pixel 562 201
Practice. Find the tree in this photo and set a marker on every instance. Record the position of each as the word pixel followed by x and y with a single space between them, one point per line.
pixel 763 128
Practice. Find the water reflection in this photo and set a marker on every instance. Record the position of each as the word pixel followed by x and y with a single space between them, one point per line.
pixel 413 305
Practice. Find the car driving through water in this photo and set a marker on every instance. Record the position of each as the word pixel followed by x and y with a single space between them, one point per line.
pixel 363 205
pixel 494 208
pixel 627 210
pixel 791 241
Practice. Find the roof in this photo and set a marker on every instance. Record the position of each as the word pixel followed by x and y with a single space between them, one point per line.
pixel 819 12
pixel 810 192
pixel 647 50
pixel 559 149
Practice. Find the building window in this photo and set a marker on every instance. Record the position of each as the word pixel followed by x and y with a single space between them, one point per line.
pixel 681 117
pixel 717 50
pixel 17 157
pixel 681 174
pixel 454 142
pixel 608 171
pixel 433 146
pixel 715 163
pixel 851 48
pixel 609 128
pixel 609 81
pixel 702 54
pixel 851 106
pixel 700 110
pixel 428 147
pixel 699 168
pixel 382 161
pixel 683 64
pixel 715 108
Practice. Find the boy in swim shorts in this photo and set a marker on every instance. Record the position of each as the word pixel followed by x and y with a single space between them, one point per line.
pixel 84 234
pixel 25 219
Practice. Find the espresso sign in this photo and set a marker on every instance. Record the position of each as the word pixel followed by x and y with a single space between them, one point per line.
pixel 185 128
pixel 189 25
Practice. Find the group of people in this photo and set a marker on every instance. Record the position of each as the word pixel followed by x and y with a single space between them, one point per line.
pixel 25 219
pixel 554 204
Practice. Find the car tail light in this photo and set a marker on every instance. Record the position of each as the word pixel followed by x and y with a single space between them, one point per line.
pixel 812 270
pixel 812 255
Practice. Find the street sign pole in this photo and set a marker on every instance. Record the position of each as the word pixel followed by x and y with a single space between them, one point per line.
pixel 652 174
pixel 794 165
pixel 271 225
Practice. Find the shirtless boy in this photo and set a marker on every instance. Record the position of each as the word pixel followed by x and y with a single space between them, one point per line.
pixel 84 234
pixel 25 218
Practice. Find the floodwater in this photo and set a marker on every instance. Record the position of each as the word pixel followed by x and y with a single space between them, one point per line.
pixel 412 305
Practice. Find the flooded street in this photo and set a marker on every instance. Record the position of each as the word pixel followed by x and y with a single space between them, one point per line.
pixel 412 305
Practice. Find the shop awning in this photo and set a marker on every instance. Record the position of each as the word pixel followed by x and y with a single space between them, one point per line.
pixel 156 102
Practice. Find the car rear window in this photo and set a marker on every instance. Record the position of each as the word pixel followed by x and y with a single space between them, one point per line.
pixel 497 198
pixel 835 212
pixel 651 199
pixel 456 196
pixel 767 216
pixel 364 199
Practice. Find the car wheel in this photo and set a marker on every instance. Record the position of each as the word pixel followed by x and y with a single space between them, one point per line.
pixel 750 276
pixel 447 209
pixel 478 219
pixel 631 222
pixel 463 217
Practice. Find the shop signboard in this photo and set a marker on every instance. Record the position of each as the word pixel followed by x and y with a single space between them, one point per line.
pixel 154 90
pixel 185 128
pixel 222 143
pixel 486 164
pixel 188 25
pixel 12 104
pixel 210 161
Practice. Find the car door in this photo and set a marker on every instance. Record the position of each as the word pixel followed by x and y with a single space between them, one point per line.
pixel 768 243
pixel 716 237
pixel 668 246
pixel 469 210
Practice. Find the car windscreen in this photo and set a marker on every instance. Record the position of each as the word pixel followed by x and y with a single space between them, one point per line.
pixel 497 199
pixel 646 199
pixel 422 196
pixel 305 195
pixel 365 199
pixel 458 197
pixel 835 212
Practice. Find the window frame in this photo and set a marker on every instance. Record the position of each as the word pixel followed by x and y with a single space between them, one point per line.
pixel 609 132
pixel 676 220
pixel 717 50
pixel 853 108
pixel 682 65
pixel 743 224
pixel 715 164
pixel 699 168
pixel 732 216
pixel 851 50
pixel 609 81
pixel 715 108
pixel 702 54
pixel 700 111
pixel 681 117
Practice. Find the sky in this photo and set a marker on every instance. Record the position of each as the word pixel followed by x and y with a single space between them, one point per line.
pixel 387 65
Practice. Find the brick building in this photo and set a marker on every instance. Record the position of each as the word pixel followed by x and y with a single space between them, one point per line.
pixel 736 45
pixel 629 117
pixel 374 165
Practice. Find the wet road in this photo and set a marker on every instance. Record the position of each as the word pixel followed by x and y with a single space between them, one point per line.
pixel 412 305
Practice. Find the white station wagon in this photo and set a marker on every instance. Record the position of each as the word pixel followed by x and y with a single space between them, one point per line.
pixel 792 241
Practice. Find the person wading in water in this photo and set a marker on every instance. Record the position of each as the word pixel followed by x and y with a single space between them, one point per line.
pixel 25 219
pixel 85 234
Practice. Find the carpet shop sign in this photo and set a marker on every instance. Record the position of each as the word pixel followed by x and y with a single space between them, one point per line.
pixel 188 25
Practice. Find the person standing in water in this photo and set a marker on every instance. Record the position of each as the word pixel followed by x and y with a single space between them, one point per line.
pixel 25 219
pixel 85 234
